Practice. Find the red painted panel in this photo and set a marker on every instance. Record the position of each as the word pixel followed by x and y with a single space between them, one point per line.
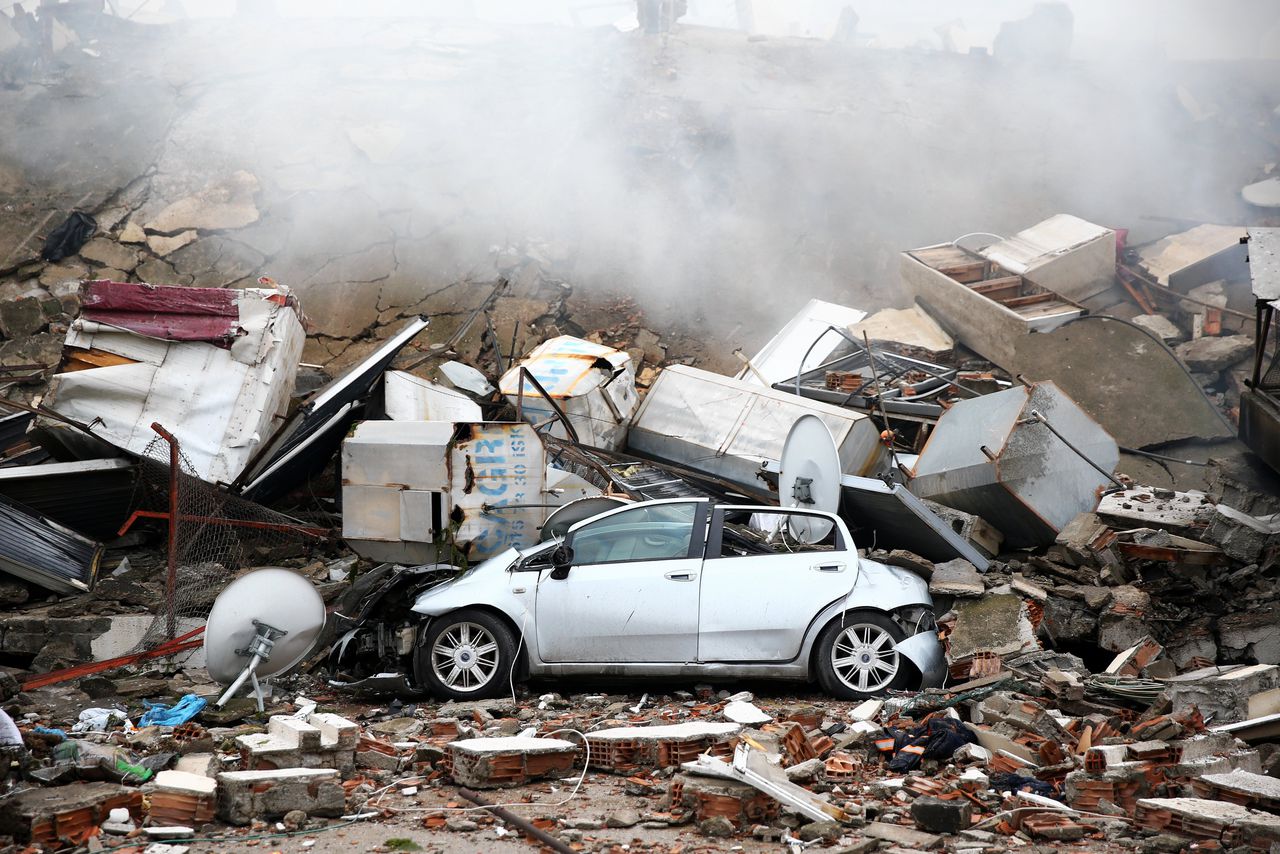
pixel 160 299
pixel 171 327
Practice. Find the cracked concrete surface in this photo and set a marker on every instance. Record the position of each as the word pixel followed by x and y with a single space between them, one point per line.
pixel 717 181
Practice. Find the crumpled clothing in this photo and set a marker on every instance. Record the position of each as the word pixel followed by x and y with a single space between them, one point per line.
pixel 937 738
pixel 66 239
pixel 180 712
pixel 1011 781
pixel 97 720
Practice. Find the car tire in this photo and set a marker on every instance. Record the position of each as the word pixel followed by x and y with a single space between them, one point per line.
pixel 465 655
pixel 855 654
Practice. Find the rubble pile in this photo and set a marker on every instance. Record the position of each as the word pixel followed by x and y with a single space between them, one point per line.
pixel 1022 531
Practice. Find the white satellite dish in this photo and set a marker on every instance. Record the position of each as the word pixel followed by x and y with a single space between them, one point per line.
pixel 810 477
pixel 261 625
pixel 566 516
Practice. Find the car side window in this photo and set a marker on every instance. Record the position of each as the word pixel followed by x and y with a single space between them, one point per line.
pixel 747 533
pixel 662 532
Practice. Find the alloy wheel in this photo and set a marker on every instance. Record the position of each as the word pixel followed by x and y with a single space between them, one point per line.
pixel 864 658
pixel 465 657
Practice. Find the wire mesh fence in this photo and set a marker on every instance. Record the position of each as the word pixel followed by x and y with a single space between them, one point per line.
pixel 212 535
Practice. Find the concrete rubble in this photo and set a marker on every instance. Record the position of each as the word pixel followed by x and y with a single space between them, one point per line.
pixel 1071 436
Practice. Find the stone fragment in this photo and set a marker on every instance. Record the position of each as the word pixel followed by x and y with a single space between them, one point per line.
pixel 1227 694
pixel 622 819
pixel 1159 326
pixel 956 577
pixel 107 253
pixel 814 831
pixel 716 826
pixel 162 245
pixel 21 317
pixel 132 233
pixel 934 815
pixel 246 795
pixel 1240 535
pixel 909 560
pixel 1211 354
pixel 997 624
pixel 220 205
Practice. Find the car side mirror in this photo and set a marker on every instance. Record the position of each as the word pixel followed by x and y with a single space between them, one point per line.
pixel 562 560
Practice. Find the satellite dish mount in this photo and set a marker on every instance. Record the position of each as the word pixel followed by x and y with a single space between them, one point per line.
pixel 264 640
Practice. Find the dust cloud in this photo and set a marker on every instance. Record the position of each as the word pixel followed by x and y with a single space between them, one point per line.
pixel 718 176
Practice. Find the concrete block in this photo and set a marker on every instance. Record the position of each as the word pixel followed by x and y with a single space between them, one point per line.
pixel 624 748
pixel 956 578
pixel 183 798
pixel 934 815
pixel 707 798
pixel 906 837
pixel 1226 695
pixel 997 624
pixel 52 817
pixel 491 763
pixel 1240 535
pixel 246 795
pixel 336 732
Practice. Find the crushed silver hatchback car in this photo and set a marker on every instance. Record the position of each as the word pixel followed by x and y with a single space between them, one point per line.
pixel 669 588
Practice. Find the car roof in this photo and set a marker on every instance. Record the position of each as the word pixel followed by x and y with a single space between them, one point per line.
pixel 752 508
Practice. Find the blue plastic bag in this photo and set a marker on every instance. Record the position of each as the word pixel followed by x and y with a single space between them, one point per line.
pixel 179 713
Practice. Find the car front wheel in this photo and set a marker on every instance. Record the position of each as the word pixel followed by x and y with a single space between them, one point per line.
pixel 466 655
pixel 857 658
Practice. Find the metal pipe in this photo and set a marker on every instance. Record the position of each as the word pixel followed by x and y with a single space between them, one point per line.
pixel 526 374
pixel 1035 413
pixel 171 577
pixel 516 821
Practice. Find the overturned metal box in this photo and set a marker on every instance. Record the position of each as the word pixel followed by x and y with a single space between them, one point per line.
pixel 414 491
pixel 593 385
pixel 994 456
pixel 728 428
pixel 1031 282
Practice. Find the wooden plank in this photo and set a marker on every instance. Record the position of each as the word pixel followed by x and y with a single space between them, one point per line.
pixel 1003 283
pixel 1031 299
pixel 80 360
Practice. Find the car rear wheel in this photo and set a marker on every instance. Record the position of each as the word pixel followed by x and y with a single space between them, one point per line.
pixel 466 655
pixel 857 659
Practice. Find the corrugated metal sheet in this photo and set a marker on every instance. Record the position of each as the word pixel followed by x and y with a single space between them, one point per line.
pixel 43 552
pixel 93 497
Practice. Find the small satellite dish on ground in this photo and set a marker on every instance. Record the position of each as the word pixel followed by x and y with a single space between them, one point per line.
pixel 261 625
pixel 810 477
pixel 565 517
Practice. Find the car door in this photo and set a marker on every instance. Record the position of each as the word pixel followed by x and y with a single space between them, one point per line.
pixel 761 589
pixel 631 594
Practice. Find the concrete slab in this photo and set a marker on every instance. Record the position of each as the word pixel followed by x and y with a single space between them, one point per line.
pixel 1105 365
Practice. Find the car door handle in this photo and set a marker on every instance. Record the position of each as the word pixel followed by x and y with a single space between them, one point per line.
pixel 681 575
pixel 829 567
